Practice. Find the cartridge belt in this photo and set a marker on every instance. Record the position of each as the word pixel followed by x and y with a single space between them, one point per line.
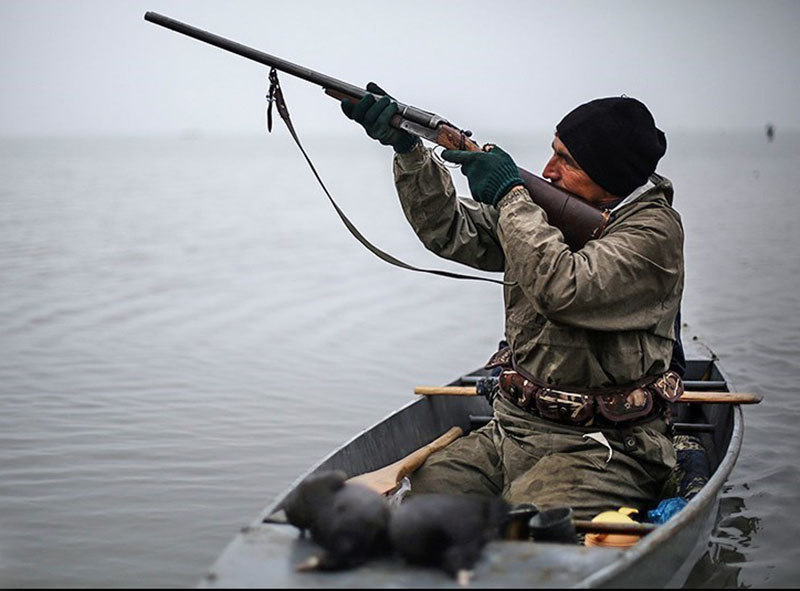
pixel 615 407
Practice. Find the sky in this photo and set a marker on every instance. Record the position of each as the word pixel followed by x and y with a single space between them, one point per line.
pixel 97 67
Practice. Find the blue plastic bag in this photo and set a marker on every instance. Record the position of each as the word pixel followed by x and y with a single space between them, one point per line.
pixel 666 509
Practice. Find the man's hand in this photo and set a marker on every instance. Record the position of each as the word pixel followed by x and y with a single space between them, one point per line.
pixel 491 174
pixel 374 116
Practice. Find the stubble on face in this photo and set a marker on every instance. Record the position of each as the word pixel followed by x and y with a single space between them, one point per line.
pixel 564 172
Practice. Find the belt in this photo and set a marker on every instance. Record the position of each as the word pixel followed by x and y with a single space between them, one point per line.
pixel 616 409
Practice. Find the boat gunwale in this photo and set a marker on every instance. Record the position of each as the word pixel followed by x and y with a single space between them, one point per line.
pixel 276 505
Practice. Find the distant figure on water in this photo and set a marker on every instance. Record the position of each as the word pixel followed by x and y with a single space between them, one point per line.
pixel 770 132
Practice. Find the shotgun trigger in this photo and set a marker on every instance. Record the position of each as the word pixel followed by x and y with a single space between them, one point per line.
pixel 442 161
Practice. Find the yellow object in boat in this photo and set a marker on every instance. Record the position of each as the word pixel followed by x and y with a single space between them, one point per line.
pixel 613 540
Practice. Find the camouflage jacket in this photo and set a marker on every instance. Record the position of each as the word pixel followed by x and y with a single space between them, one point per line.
pixel 601 316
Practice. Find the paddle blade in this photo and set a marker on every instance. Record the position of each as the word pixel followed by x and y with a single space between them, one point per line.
pixel 386 479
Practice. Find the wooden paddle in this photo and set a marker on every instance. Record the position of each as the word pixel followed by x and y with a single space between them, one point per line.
pixel 716 397
pixel 386 479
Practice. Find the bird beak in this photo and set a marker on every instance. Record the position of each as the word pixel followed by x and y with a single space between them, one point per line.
pixel 309 565
pixel 463 577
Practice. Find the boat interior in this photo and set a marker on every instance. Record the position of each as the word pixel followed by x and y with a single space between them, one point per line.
pixel 266 552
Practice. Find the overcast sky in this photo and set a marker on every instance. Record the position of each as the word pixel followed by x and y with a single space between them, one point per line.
pixel 95 66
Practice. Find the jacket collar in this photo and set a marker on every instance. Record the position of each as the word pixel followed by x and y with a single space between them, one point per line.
pixel 656 185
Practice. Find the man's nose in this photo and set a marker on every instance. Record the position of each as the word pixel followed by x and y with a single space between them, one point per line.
pixel 550 171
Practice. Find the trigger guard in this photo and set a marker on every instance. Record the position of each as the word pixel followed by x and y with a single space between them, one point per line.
pixel 442 161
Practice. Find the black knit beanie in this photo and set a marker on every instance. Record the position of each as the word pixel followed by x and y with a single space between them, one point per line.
pixel 615 141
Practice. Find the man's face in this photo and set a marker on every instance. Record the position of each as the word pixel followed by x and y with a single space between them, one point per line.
pixel 564 172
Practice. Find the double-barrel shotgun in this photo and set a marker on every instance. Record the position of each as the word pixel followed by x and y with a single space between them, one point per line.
pixel 578 220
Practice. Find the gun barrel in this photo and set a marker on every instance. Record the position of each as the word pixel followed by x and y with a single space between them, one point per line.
pixel 417 115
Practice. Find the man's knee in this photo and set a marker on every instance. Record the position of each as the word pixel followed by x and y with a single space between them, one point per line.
pixel 467 466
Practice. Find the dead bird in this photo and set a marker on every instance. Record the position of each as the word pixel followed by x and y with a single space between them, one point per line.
pixel 349 521
pixel 446 531
pixel 306 501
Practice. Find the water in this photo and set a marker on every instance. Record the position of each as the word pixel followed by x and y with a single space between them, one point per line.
pixel 185 327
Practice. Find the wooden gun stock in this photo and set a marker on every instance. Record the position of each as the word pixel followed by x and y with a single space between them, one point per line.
pixel 578 220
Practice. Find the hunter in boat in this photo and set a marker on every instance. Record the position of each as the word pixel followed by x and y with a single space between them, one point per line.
pixel 580 403
pixel 593 358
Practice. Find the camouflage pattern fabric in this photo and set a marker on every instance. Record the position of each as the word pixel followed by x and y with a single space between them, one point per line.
pixel 599 317
pixel 525 459
pixel 692 469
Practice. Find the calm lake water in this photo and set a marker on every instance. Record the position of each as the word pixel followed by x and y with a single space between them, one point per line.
pixel 185 327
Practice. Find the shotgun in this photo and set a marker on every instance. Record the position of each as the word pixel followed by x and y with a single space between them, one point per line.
pixel 578 220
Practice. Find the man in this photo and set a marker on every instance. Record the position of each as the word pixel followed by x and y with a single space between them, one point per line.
pixel 579 420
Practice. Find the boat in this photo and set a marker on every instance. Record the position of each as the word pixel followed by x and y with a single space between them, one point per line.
pixel 264 553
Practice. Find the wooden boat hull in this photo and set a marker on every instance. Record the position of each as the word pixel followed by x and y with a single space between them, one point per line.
pixel 264 554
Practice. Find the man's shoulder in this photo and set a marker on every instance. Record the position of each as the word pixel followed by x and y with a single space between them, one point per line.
pixel 652 205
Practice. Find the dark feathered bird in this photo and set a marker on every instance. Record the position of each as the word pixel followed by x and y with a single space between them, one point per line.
pixel 349 521
pixel 353 528
pixel 316 491
pixel 446 531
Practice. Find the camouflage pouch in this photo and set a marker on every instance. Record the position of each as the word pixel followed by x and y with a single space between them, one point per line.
pixel 500 359
pixel 517 388
pixel 669 386
pixel 625 405
pixel 551 404
pixel 565 407
pixel 630 405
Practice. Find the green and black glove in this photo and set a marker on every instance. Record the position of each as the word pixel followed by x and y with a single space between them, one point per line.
pixel 374 116
pixel 490 174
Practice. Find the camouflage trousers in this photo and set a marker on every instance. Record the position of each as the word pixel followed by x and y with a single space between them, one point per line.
pixel 526 459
